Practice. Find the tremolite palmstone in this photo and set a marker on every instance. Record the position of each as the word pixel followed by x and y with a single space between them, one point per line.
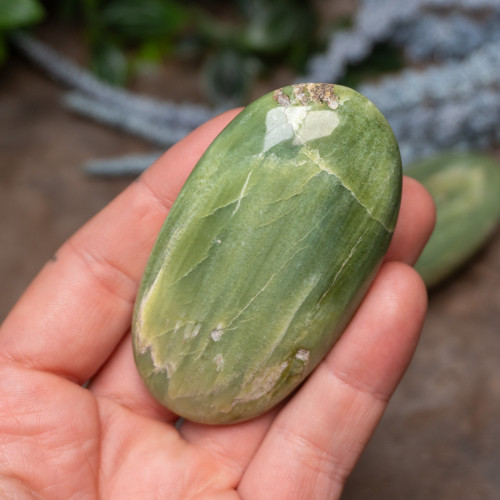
pixel 267 252
pixel 465 187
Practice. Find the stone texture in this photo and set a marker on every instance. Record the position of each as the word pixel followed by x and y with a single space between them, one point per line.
pixel 267 252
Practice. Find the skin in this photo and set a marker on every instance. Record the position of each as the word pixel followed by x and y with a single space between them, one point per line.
pixel 111 440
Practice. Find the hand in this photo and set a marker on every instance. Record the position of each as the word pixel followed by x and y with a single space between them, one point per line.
pixel 111 440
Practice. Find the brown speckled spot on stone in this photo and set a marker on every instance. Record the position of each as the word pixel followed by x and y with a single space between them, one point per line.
pixel 281 98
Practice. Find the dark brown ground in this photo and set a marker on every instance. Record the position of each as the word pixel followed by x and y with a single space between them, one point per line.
pixel 440 438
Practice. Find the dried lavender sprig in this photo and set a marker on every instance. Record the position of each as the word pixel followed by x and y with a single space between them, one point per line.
pixel 162 134
pixel 473 5
pixel 378 17
pixel 379 20
pixel 439 37
pixel 186 116
pixel 450 106
pixel 125 165
pixel 456 80
pixel 471 124
pixel 351 46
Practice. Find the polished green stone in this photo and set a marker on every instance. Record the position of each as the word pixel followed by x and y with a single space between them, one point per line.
pixel 267 252
pixel 466 190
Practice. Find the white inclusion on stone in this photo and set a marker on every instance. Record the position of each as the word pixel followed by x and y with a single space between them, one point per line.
pixel 242 193
pixel 216 334
pixel 261 384
pixel 298 123
pixel 316 124
pixel 192 331
pixel 178 324
pixel 302 355
pixel 278 129
pixel 219 362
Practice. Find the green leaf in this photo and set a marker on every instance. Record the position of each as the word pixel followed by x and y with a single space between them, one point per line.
pixel 274 26
pixel 151 52
pixel 110 63
pixel 16 13
pixel 3 49
pixel 144 20
pixel 228 76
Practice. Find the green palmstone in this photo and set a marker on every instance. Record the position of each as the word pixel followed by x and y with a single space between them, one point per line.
pixel 466 191
pixel 267 252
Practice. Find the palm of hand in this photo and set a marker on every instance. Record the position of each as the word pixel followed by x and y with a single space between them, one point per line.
pixel 86 446
pixel 59 440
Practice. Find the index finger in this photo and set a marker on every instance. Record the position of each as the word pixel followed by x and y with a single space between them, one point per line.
pixel 78 308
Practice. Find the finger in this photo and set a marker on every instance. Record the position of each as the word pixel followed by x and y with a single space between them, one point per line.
pixel 416 220
pixel 78 308
pixel 317 438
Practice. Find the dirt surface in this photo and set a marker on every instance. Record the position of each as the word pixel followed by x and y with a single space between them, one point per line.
pixel 440 437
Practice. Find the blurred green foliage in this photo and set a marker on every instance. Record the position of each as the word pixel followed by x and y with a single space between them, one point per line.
pixel 235 41
pixel 123 33
pixel 262 35
pixel 15 14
